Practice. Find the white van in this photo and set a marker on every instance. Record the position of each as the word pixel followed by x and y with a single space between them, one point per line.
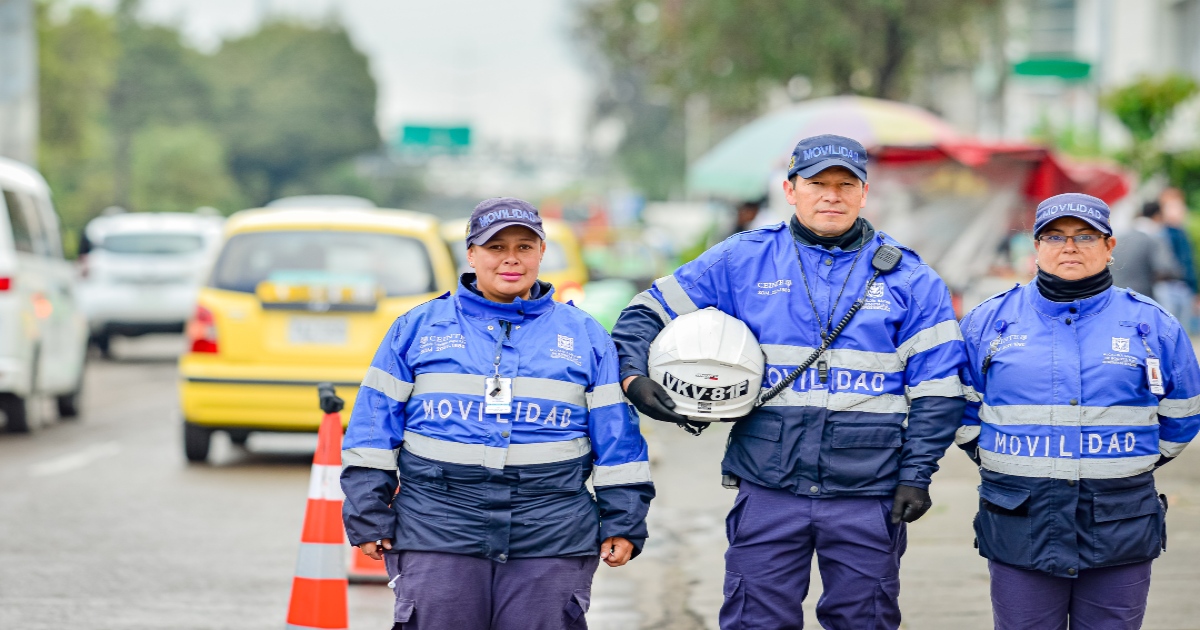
pixel 43 334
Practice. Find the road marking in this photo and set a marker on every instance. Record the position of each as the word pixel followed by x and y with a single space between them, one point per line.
pixel 74 461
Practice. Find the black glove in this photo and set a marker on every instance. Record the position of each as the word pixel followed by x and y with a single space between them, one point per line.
pixel 1162 459
pixel 972 450
pixel 651 399
pixel 910 503
pixel 330 403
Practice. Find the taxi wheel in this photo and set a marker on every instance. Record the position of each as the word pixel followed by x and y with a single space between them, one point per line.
pixel 195 442
pixel 16 413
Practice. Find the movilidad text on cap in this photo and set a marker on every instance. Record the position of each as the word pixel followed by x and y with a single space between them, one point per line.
pixel 497 213
pixel 1086 207
pixel 815 154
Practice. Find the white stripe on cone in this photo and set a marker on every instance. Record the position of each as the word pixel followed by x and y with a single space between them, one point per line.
pixel 325 483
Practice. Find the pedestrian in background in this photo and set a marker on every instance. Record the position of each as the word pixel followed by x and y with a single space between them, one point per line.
pixel 494 406
pixel 1069 518
pixel 1179 296
pixel 841 460
pixel 1145 257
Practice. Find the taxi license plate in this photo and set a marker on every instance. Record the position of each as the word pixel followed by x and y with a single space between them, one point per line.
pixel 326 331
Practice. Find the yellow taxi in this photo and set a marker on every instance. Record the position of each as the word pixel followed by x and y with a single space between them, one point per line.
pixel 299 296
pixel 562 265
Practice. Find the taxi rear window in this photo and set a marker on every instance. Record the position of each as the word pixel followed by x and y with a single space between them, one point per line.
pixel 400 265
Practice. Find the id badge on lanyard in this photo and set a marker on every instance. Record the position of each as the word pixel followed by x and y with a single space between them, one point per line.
pixel 1153 365
pixel 497 395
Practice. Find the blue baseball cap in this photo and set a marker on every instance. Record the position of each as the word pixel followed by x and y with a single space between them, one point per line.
pixel 815 154
pixel 497 213
pixel 1078 205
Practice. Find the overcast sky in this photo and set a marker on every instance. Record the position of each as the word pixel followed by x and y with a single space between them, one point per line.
pixel 508 68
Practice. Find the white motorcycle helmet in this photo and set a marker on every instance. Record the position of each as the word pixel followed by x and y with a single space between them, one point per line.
pixel 710 364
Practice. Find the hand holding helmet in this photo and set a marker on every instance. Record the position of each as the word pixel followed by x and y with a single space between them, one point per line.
pixel 651 399
pixel 708 365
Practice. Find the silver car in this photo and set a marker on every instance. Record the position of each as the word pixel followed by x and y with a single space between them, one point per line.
pixel 140 272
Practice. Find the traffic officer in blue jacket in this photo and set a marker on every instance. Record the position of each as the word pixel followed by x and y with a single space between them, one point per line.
pixel 1078 391
pixel 493 407
pixel 842 458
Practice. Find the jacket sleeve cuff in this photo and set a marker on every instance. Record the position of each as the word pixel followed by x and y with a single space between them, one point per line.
pixel 910 477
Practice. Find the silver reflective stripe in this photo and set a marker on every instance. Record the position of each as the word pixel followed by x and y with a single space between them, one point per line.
pixel 1171 449
pixel 494 456
pixel 1066 468
pixel 880 403
pixel 966 433
pixel 931 337
pixel 1117 467
pixel 381 458
pixel 319 561
pixel 523 387
pixel 605 395
pixel 949 387
pixel 447 383
pixel 550 389
pixel 1173 408
pixel 1068 415
pixel 645 299
pixel 677 299
pixel 860 360
pixel 972 394
pixel 838 401
pixel 387 384
pixel 624 474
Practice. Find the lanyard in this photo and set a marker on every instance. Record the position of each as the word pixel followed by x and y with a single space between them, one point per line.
pixel 499 350
pixel 825 327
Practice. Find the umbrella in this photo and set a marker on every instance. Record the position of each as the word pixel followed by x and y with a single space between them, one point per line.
pixel 740 166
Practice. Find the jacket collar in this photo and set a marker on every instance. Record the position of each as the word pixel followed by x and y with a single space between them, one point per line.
pixel 473 304
pixel 1083 308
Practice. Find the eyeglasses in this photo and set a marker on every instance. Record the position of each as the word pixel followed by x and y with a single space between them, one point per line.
pixel 1082 241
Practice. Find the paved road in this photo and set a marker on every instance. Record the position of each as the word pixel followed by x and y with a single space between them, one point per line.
pixel 103 525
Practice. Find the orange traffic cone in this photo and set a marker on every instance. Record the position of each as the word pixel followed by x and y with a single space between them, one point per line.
pixel 320 587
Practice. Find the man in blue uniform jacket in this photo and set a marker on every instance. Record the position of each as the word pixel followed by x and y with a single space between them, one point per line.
pixel 842 459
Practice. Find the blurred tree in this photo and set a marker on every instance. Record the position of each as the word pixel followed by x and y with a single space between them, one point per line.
pixel 1145 107
pixel 292 101
pixel 730 52
pixel 159 81
pixel 177 168
pixel 76 54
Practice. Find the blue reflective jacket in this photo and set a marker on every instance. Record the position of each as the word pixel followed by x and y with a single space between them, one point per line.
pixel 1066 429
pixel 898 358
pixel 497 486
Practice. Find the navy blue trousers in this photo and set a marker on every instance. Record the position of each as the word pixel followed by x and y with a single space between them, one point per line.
pixel 446 591
pixel 1111 598
pixel 772 537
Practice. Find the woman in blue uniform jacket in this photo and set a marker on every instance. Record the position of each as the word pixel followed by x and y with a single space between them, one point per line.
pixel 1078 391
pixel 492 407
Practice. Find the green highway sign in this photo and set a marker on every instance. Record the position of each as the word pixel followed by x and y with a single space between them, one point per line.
pixel 433 138
pixel 1061 67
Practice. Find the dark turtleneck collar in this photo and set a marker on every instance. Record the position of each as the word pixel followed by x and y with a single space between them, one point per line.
pixel 851 239
pixel 472 302
pixel 1056 289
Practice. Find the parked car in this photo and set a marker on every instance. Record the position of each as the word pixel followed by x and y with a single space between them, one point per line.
pixel 141 272
pixel 43 334
pixel 563 267
pixel 300 296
